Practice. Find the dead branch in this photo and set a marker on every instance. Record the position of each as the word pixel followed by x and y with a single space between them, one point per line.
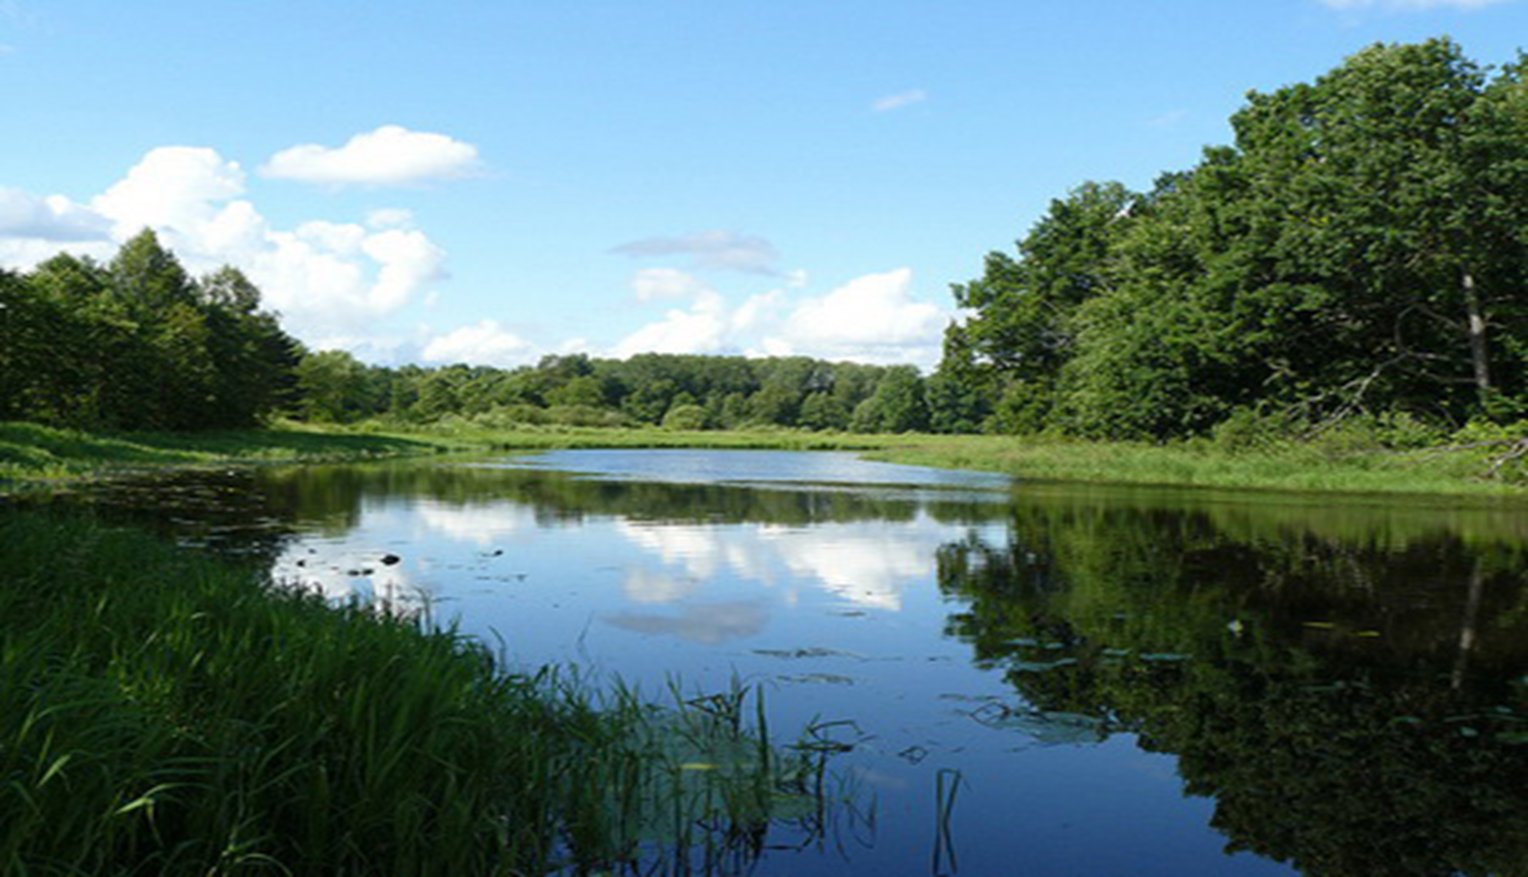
pixel 1518 451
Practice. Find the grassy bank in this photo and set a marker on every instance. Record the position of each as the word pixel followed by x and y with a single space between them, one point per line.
pixel 35 454
pixel 163 713
pixel 32 454
pixel 1336 465
pixel 1296 468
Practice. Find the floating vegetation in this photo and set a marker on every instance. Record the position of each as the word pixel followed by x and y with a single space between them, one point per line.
pixel 1044 727
pixel 819 679
pixel 812 652
pixel 1040 666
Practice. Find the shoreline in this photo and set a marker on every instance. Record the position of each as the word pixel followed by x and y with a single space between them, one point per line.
pixel 34 457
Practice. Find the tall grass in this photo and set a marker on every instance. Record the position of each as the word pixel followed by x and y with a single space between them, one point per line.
pixel 1337 463
pixel 39 455
pixel 167 714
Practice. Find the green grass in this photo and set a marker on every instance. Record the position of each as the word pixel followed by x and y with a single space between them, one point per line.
pixel 32 455
pixel 1297 468
pixel 162 713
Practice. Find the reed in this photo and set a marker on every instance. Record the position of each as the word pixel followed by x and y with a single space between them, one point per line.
pixel 166 713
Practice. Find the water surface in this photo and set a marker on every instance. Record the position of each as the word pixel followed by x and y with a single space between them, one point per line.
pixel 1125 681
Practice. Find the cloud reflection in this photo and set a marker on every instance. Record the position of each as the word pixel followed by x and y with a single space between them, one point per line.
pixel 867 564
pixel 352 576
pixel 481 525
pixel 710 623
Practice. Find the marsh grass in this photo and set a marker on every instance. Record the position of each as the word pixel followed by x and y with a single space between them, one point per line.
pixel 31 454
pixel 164 713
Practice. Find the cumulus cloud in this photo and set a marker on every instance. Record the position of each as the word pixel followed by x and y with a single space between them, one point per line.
pixel 486 343
pixel 326 278
pixel 700 329
pixel 656 284
pixel 55 218
pixel 389 156
pixel 899 100
pixel 873 318
pixel 716 249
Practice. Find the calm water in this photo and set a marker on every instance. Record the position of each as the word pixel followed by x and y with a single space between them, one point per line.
pixel 1128 682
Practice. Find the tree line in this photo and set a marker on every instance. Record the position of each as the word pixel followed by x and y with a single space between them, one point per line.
pixel 651 389
pixel 138 344
pixel 1359 252
pixel 1361 248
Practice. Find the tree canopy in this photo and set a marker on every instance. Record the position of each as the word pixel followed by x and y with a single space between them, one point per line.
pixel 139 344
pixel 1362 246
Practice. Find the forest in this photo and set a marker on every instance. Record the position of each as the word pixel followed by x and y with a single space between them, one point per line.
pixel 1359 250
pixel 1358 253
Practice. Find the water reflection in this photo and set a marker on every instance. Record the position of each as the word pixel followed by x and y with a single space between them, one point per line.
pixel 1346 687
pixel 708 623
pixel 1123 676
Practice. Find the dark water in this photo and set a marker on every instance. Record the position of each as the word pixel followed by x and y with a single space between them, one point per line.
pixel 1125 682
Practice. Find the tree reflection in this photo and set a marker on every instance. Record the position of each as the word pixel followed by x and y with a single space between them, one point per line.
pixel 1347 687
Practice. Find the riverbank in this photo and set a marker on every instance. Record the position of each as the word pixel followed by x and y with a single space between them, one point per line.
pixel 33 455
pixel 1334 465
pixel 165 712
pixel 40 456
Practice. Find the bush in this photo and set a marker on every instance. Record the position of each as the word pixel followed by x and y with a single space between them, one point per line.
pixel 688 417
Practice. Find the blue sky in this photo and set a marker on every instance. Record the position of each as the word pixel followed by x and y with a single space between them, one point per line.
pixel 491 182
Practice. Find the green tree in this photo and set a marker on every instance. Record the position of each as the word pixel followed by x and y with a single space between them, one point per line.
pixel 332 387
pixel 1023 328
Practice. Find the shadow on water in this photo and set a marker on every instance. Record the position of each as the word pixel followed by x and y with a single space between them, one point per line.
pixel 1345 682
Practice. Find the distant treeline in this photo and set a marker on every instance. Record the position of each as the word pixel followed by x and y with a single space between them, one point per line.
pixel 1361 250
pixel 677 391
pixel 138 344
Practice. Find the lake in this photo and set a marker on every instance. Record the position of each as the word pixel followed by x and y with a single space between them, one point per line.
pixel 1026 679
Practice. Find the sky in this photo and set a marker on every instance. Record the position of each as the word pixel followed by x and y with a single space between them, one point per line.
pixel 493 182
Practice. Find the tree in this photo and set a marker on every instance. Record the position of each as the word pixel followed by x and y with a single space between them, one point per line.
pixel 1023 328
pixel 332 386
pixel 1359 248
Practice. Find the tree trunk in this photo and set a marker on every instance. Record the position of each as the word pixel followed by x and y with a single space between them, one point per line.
pixel 1479 356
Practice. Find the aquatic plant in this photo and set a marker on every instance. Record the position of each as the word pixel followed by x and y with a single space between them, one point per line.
pixel 166 713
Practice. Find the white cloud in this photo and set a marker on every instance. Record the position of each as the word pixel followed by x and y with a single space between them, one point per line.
pixel 715 249
pixel 389 217
pixel 758 310
pixel 899 100
pixel 873 318
pixel 326 278
pixel 56 218
pixel 701 329
pixel 653 284
pixel 177 188
pixel 487 343
pixel 391 155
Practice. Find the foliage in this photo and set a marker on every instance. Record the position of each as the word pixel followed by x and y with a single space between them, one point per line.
pixel 1357 250
pixel 138 344
pixel 731 392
